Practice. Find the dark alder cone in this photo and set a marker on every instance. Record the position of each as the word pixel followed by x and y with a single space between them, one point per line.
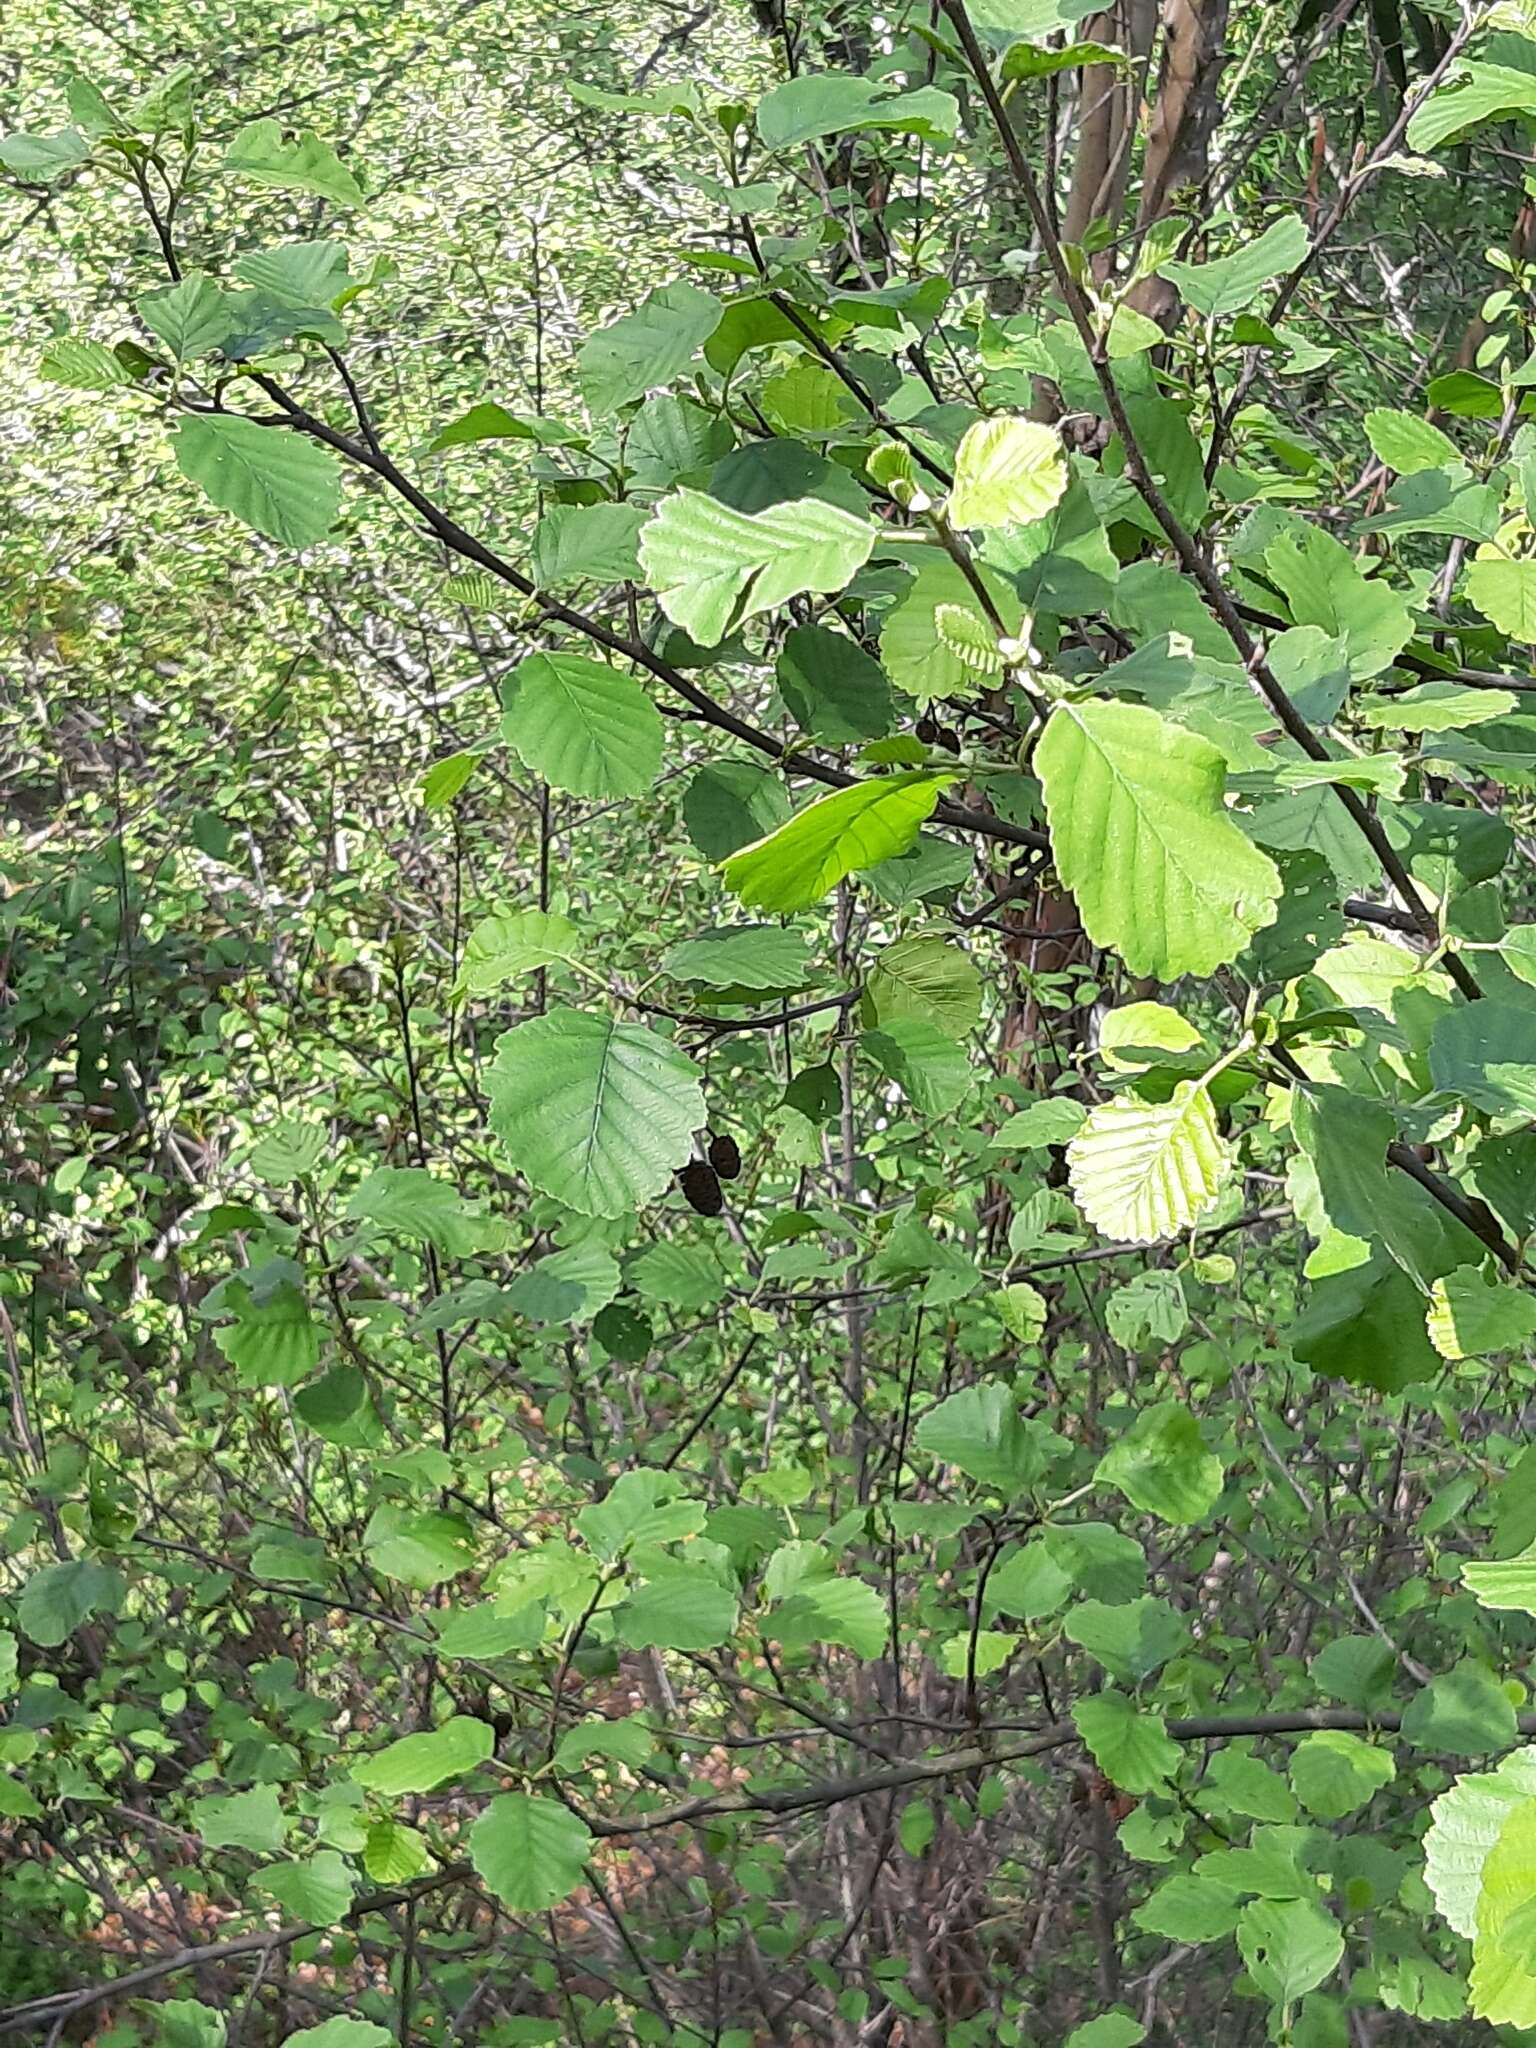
pixel 927 731
pixel 725 1155
pixel 701 1185
pixel 949 739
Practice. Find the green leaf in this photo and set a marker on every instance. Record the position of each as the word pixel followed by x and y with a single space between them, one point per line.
pixel 1435 707
pixel 1465 1712
pixel 1505 592
pixel 37 158
pixel 309 274
pixel 82 365
pixel 981 1431
pixel 926 976
pixel 530 1852
pixel 1232 283
pixel 585 728
pixel 1130 1744
pixel 1334 1773
pixel 1288 1947
pixel 341 2033
pixel 275 1342
pixel 444 780
pixel 927 1065
pixel 1141 836
pixel 748 956
pixel 1143 1171
pixel 1465 1823
pixel 596 1113
pixel 394 1853
pixel 833 690
pixel 648 347
pixel 1406 443
pixel 1324 587
pixel 191 317
pixel 1109 2030
pixel 689 1612
pixel 1506 1583
pixel 1502 1986
pixel 684 1276
pixel 261 153
pixel 319 1890
pixel 188 2023
pixel 822 103
pixel 419 1548
pixel 731 803
pixel 420 1763
pixel 1471 1317
pixel 57 1598
pixel 412 1202
pixel 1007 472
pixel 1366 1325
pixel 1029 60
pixel 929 643
pixel 1189 1909
pixel 1130 1641
pixel 641 1509
pixel 514 942
pixel 1486 1052
pixel 834 1610
pixel 592 542
pixel 1474 93
pixel 1162 1466
pixel 275 480
pixel 837 835
pixel 569 1286
pixel 711 564
pixel 246 1820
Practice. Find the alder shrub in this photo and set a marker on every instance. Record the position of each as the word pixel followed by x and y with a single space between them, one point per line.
pixel 794 1516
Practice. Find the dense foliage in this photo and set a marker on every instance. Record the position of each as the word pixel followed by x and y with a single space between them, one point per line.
pixel 766 1013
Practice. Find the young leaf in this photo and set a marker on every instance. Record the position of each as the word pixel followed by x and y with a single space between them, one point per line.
pixel 1007 472
pixel 1142 1171
pixel 1142 838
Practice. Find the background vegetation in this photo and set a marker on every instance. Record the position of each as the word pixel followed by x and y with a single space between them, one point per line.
pixel 765 1024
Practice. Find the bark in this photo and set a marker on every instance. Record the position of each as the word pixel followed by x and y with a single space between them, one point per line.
pixel 1106 122
pixel 1184 118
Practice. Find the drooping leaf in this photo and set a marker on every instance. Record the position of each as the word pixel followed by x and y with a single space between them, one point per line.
pixel 982 1431
pixel 1288 1947
pixel 318 1890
